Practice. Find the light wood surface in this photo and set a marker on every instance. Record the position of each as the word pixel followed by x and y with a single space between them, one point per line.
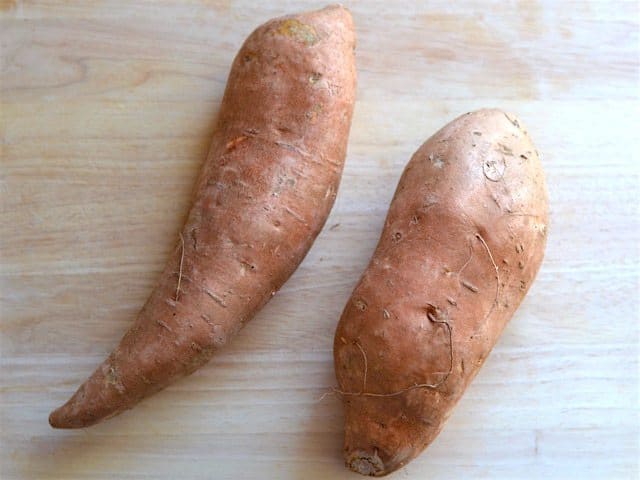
pixel 107 109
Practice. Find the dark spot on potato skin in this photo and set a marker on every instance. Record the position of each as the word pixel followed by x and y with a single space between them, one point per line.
pixel 360 304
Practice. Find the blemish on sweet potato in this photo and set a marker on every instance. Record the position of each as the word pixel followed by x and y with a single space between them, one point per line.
pixel 315 77
pixel 494 168
pixel 232 144
pixel 470 286
pixel 299 31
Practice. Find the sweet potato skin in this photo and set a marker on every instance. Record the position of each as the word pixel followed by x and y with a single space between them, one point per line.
pixel 262 197
pixel 463 240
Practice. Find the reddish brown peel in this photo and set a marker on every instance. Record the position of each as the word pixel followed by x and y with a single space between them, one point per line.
pixel 462 243
pixel 262 197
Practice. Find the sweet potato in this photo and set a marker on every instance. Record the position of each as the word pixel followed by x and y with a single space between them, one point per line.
pixel 463 240
pixel 262 197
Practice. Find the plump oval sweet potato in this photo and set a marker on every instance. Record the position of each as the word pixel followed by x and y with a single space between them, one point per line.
pixel 262 197
pixel 462 242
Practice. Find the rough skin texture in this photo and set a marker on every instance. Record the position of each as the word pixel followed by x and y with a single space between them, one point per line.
pixel 262 197
pixel 462 243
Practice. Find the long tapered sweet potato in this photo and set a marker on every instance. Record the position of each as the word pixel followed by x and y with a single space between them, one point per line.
pixel 462 242
pixel 262 197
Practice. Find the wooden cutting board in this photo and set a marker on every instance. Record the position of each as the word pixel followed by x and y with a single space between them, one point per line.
pixel 107 110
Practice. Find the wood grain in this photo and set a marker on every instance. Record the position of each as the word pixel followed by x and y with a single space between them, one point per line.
pixel 106 113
